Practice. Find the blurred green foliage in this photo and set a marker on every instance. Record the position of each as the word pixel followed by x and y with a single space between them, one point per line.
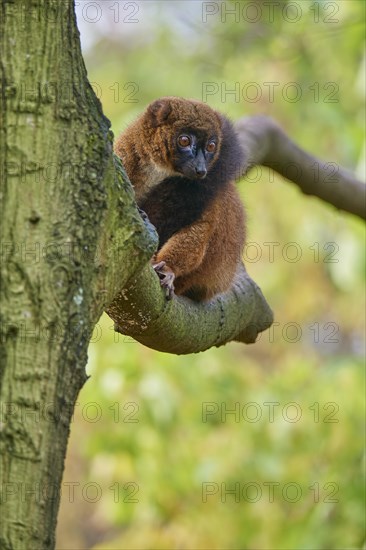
pixel 139 431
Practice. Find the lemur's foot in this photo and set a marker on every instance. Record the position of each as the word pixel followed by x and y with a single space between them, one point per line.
pixel 166 277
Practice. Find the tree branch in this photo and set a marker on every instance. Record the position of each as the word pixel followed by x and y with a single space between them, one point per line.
pixel 267 144
pixel 182 326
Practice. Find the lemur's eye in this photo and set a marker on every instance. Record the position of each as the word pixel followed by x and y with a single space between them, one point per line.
pixel 211 146
pixel 184 141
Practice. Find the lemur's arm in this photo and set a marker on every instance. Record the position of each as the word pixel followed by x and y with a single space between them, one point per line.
pixel 185 250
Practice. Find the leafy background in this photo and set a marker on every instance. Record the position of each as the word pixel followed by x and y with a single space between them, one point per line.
pixel 141 447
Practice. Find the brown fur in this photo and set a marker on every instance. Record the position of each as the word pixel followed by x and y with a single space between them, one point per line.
pixel 200 222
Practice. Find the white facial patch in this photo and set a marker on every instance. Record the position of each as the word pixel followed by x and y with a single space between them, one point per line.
pixel 154 175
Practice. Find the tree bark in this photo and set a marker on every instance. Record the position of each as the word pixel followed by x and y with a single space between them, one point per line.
pixel 70 238
pixel 181 326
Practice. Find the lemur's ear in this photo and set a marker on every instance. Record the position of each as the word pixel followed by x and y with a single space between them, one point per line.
pixel 159 111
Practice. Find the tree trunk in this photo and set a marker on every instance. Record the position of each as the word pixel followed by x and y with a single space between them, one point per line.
pixel 61 198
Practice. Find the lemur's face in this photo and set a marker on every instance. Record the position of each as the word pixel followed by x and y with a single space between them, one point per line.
pixel 194 152
pixel 185 136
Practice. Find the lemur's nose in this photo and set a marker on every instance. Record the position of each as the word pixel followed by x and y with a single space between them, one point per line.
pixel 201 172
